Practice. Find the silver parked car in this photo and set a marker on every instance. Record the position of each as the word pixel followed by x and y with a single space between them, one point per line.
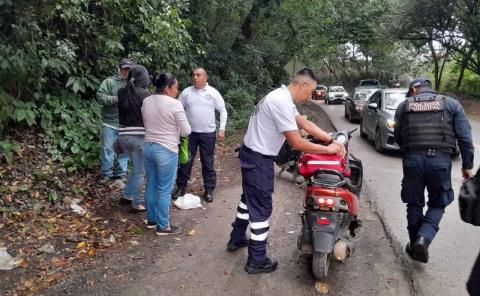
pixel 377 120
pixel 335 94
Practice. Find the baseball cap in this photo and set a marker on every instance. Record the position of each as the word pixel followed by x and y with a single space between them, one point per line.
pixel 125 63
pixel 417 82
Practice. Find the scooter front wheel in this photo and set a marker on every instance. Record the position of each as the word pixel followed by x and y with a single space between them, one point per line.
pixel 320 264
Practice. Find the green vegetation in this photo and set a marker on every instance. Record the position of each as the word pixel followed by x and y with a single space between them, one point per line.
pixel 54 54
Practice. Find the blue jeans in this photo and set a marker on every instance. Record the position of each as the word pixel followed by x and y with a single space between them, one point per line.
pixel 107 154
pixel 161 168
pixel 133 147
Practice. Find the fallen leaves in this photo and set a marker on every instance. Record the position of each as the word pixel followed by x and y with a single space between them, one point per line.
pixel 81 245
pixel 322 288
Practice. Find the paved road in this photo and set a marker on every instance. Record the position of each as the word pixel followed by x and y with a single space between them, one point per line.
pixel 456 245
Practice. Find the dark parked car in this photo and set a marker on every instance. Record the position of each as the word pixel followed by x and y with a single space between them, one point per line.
pixel 354 104
pixel 320 92
pixel 377 120
pixel 335 94
pixel 369 82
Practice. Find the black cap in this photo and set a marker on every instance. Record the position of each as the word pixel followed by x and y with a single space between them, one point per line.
pixel 125 63
pixel 417 82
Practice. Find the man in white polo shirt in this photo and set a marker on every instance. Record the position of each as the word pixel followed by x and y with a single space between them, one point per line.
pixel 200 102
pixel 275 119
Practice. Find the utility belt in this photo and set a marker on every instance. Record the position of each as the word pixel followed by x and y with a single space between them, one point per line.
pixel 431 153
pixel 250 151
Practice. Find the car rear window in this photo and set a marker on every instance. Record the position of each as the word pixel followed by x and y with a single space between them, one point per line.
pixel 337 89
pixel 364 94
pixel 369 82
pixel 392 100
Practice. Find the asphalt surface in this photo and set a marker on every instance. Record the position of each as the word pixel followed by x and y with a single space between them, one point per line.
pixel 457 244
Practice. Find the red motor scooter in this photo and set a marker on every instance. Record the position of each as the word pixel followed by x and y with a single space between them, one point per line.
pixel 334 186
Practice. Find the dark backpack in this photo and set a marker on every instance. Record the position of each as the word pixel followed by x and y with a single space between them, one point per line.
pixel 469 200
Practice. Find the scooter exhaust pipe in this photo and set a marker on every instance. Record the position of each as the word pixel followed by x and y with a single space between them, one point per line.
pixel 341 250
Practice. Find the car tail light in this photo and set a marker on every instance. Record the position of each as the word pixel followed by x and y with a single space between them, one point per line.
pixel 323 221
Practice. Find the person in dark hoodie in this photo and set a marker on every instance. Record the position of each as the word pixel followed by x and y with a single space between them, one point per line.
pixel 131 132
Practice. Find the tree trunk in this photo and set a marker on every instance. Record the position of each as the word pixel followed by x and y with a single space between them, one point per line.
pixel 436 64
pixel 330 69
pixel 463 66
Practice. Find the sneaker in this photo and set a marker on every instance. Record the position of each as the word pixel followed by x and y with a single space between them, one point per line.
pixel 179 191
pixel 104 180
pixel 150 224
pixel 139 209
pixel 173 230
pixel 233 246
pixel 269 265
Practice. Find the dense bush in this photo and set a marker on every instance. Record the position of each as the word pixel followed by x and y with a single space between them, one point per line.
pixel 72 128
pixel 53 55
pixel 240 104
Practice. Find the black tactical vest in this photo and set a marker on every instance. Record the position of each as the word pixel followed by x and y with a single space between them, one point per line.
pixel 426 125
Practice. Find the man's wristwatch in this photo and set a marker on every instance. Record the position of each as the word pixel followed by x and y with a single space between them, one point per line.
pixel 330 142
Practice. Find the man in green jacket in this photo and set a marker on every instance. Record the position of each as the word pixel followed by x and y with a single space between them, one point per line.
pixel 107 95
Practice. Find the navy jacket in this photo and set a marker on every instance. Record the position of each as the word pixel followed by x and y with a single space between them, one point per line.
pixel 461 126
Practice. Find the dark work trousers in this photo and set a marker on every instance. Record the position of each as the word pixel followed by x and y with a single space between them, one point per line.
pixel 206 142
pixel 255 205
pixel 434 173
pixel 473 284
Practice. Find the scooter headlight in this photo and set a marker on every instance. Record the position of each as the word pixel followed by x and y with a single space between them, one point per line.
pixel 342 139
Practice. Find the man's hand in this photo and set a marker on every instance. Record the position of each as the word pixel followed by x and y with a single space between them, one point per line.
pixel 220 135
pixel 467 174
pixel 337 148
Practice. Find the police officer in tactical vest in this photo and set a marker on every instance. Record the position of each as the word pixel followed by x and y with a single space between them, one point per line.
pixel 427 127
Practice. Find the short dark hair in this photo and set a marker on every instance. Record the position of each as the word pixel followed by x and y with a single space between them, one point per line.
pixel 309 73
pixel 163 80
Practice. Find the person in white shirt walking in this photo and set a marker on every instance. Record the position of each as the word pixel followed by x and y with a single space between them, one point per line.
pixel 200 102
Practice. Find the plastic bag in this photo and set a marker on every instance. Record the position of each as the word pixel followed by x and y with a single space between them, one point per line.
pixel 188 201
pixel 183 151
pixel 7 262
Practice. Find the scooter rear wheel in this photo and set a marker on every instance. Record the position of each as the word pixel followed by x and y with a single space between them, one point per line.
pixel 320 264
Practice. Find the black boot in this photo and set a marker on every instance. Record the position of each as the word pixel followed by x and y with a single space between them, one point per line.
pixel 208 195
pixel 420 249
pixel 234 246
pixel 179 191
pixel 409 251
pixel 268 265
